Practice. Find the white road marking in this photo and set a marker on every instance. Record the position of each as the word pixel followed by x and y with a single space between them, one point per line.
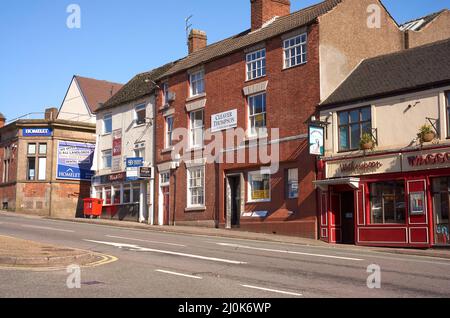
pixel 137 248
pixel 139 240
pixel 273 290
pixel 289 252
pixel 178 274
pixel 46 228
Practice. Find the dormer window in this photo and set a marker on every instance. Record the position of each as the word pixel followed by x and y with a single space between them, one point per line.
pixel 197 83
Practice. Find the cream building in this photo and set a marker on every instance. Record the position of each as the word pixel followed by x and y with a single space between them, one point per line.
pixel 395 192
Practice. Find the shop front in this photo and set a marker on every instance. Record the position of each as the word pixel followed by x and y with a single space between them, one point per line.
pixel 391 199
pixel 123 199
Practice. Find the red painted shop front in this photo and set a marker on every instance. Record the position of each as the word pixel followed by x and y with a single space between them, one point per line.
pixel 405 205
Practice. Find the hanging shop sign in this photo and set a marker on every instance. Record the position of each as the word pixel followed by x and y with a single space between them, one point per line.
pixel 37 132
pixel 316 140
pixel 145 173
pixel 224 121
pixel 74 160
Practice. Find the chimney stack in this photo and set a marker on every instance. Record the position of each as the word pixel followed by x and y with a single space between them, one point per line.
pixel 197 40
pixel 51 114
pixel 2 120
pixel 265 10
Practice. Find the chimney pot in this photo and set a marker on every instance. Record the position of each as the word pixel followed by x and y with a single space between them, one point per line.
pixel 197 40
pixel 265 10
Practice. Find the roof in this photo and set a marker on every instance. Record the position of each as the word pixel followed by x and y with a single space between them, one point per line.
pixel 419 23
pixel 247 38
pixel 139 86
pixel 408 70
pixel 96 91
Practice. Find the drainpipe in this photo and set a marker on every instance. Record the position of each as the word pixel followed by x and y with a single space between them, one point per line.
pixel 174 196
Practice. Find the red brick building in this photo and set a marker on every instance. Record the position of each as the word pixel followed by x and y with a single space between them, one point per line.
pixel 269 77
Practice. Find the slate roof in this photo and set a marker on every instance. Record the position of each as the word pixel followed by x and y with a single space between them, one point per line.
pixel 139 86
pixel 408 70
pixel 419 23
pixel 96 91
pixel 247 38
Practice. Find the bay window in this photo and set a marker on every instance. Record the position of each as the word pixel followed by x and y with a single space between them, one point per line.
pixel 388 202
pixel 352 125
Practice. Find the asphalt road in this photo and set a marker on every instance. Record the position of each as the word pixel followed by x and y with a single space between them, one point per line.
pixel 154 264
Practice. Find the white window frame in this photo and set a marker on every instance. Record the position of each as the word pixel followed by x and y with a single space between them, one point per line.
pixel 137 109
pixel 254 64
pixel 189 187
pixel 261 131
pixel 297 45
pixel 250 176
pixel 164 183
pixel 168 134
pixel 197 83
pixel 292 180
pixel 165 93
pixel 104 156
pixel 193 128
pixel 106 117
pixel 139 151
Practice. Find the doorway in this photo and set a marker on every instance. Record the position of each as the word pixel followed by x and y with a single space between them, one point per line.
pixel 348 217
pixel 166 205
pixel 233 201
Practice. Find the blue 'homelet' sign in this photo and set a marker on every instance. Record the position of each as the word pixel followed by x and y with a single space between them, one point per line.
pixel 37 132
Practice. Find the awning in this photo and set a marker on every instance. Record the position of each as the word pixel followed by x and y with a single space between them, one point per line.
pixel 323 184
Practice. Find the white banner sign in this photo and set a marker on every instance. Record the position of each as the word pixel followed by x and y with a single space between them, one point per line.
pixel 223 121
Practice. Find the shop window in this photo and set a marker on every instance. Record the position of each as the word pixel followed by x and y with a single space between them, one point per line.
pixel 196 187
pixel 292 183
pixel 136 192
pixel 257 114
pixel 42 149
pixel 42 168
pixel 108 195
pixel 126 194
pixel 37 161
pixel 388 202
pixel 116 195
pixel 140 114
pixel 258 186
pixel 352 125
pixel 31 149
pixel 196 128
pixel 441 208
pixel 31 174
pixel 99 193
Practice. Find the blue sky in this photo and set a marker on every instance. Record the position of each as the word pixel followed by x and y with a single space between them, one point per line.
pixel 117 39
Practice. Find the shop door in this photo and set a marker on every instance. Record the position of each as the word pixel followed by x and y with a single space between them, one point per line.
pixel 233 201
pixel 348 217
pixel 441 208
pixel 166 205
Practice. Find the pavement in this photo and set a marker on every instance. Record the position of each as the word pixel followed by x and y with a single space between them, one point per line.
pixel 160 264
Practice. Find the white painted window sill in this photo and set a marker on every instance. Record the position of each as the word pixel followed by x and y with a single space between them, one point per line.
pixel 195 209
pixel 166 150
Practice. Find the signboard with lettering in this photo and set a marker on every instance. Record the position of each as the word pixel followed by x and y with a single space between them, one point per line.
pixel 316 140
pixel 37 132
pixel 145 173
pixel 74 160
pixel 133 165
pixel 224 121
pixel 363 166
pixel 117 142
